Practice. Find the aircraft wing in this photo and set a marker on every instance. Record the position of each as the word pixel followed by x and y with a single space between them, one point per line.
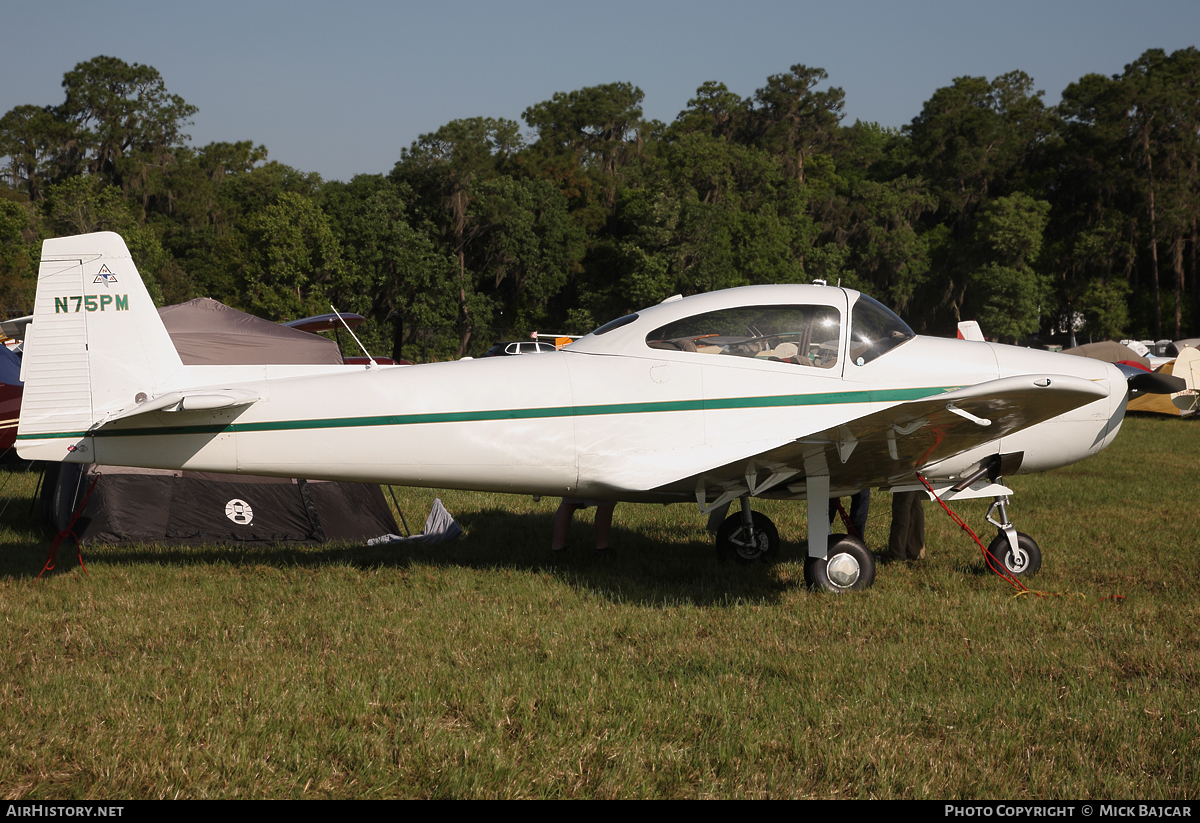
pixel 887 447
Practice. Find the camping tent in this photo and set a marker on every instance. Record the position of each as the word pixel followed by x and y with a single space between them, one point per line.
pixel 129 505
pixel 1109 351
pixel 206 333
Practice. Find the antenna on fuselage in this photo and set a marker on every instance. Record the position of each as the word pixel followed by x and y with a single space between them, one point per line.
pixel 355 336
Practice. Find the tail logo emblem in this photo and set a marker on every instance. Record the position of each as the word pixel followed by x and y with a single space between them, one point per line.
pixel 105 276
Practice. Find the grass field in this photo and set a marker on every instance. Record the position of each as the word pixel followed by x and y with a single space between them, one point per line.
pixel 488 668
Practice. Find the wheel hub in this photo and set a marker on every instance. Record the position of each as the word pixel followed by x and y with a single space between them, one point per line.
pixel 750 549
pixel 1017 560
pixel 843 570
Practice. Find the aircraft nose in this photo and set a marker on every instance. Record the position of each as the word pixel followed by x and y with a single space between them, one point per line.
pixel 1078 433
pixel 1118 396
pixel 1015 361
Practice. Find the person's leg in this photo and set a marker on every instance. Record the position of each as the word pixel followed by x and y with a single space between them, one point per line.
pixel 860 504
pixel 603 524
pixel 562 522
pixel 916 540
pixel 901 525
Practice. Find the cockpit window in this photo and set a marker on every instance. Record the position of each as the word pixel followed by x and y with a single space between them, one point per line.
pixel 874 330
pixel 804 335
pixel 615 324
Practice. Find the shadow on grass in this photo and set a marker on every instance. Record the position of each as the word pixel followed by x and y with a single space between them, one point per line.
pixel 972 568
pixel 637 569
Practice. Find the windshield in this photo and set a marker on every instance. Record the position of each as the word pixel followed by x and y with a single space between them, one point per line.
pixel 874 330
pixel 803 335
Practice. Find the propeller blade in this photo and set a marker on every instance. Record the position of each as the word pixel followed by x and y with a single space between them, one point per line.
pixel 1156 383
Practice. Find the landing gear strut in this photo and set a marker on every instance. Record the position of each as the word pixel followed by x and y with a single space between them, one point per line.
pixel 1015 551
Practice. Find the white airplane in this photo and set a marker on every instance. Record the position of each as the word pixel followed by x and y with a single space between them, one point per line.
pixel 797 392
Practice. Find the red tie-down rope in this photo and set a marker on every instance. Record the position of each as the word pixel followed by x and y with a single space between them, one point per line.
pixel 69 531
pixel 850 530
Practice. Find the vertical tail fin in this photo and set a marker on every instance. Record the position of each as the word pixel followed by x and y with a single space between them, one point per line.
pixel 95 343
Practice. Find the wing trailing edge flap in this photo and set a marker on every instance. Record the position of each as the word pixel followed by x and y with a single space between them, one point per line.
pixel 887 447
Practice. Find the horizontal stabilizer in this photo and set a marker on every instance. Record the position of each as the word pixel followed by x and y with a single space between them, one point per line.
pixel 189 401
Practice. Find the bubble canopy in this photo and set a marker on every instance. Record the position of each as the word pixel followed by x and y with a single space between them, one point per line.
pixel 799 324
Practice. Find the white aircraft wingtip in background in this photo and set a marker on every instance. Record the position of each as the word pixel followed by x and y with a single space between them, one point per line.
pixel 792 392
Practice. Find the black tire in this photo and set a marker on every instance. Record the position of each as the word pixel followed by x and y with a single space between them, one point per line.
pixel 848 560
pixel 1027 560
pixel 732 542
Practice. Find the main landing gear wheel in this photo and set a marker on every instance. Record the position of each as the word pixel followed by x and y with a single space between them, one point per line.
pixel 734 542
pixel 1025 562
pixel 848 566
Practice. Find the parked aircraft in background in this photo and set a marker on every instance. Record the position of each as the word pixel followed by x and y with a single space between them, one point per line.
pixel 335 322
pixel 507 348
pixel 11 390
pixel 791 392
pixel 1178 377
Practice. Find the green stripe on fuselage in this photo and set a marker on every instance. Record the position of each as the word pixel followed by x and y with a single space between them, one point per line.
pixel 714 404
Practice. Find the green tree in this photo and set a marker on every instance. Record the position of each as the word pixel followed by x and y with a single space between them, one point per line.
pixel 1128 175
pixel 715 111
pixel 527 245
pixel 792 120
pixel 713 215
pixel 444 169
pixel 213 195
pixel 20 254
pixel 1093 238
pixel 1008 293
pixel 1164 118
pixel 30 137
pixel 293 263
pixel 973 142
pixel 409 286
pixel 586 139
pixel 889 253
pixel 1104 305
pixel 975 139
pixel 191 192
pixel 85 204
pixel 125 121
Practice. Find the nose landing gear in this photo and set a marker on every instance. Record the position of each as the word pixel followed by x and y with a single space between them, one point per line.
pixel 1016 552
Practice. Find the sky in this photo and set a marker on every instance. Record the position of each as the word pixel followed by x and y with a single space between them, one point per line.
pixel 340 88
